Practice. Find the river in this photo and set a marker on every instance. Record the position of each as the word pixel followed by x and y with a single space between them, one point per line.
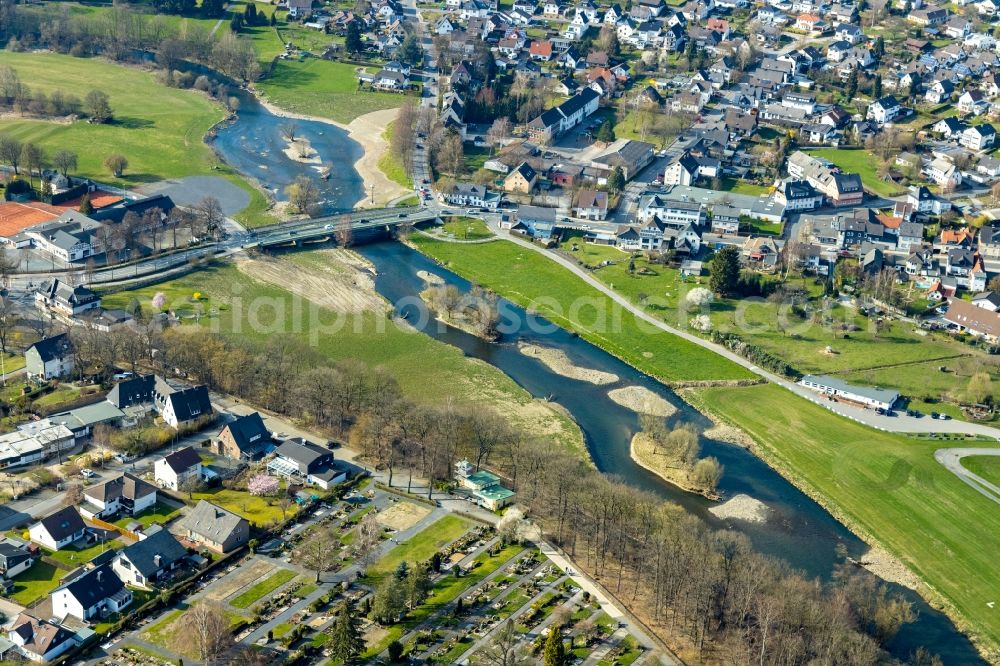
pixel 798 530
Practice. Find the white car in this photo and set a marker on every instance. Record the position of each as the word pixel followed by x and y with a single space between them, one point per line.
pixel 87 473
pixel 328 226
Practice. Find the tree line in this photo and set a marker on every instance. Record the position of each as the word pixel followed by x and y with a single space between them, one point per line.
pixel 121 32
pixel 706 585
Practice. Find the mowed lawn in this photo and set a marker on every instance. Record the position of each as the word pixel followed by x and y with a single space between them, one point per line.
pixel 421 547
pixel 258 510
pixel 35 583
pixel 862 163
pixel 537 283
pixel 158 129
pixel 885 485
pixel 987 467
pixel 326 89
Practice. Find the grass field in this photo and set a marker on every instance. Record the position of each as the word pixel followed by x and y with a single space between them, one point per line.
pixel 533 281
pixel 861 163
pixel 158 129
pixel 885 485
pixel 158 514
pixel 75 557
pixel 266 586
pixel 427 370
pixel 987 467
pixel 257 510
pixel 35 583
pixel 391 166
pixel 737 186
pixel 419 548
pixel 324 88
pixel 467 228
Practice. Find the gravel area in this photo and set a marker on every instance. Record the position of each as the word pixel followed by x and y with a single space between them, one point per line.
pixel 742 507
pixel 189 191
pixel 558 362
pixel 641 400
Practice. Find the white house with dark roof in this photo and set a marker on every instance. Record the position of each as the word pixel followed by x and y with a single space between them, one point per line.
pixel 50 358
pixel 148 561
pixel 60 298
pixel 14 558
pixel 90 594
pixel 124 494
pixel 175 470
pixel 58 530
pixel 181 405
pixel 592 205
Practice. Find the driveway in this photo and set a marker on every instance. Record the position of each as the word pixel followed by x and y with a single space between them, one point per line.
pixel 952 460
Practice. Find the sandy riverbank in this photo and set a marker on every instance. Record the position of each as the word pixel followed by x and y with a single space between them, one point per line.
pixel 884 565
pixel 642 401
pixel 742 507
pixel 367 131
pixel 558 362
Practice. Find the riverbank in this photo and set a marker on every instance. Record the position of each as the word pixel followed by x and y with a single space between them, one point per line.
pixel 643 452
pixel 877 483
pixel 367 130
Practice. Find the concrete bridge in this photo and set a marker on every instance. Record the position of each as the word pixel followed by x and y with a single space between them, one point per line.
pixel 361 223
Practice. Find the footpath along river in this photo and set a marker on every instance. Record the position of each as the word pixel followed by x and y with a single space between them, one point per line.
pixel 797 529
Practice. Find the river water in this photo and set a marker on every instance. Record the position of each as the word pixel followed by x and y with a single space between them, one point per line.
pixel 798 529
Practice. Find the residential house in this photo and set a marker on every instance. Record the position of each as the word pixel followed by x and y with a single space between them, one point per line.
pixel 924 202
pixel 977 321
pixel 299 8
pixel 948 127
pixel 133 392
pixel 59 298
pixel 149 560
pixel 797 195
pixel 39 640
pixel 973 102
pixel 928 17
pixel 246 438
pixel 14 558
pixel 181 405
pixel 988 300
pixel 885 110
pixel 978 137
pixel 90 594
pixel 215 528
pixel 70 237
pixel 535 221
pixel 178 470
pixel 50 358
pixel 125 494
pixel 939 91
pixel 682 170
pixel 943 172
pixel 592 205
pixel 521 180
pixel 989 242
pixel 302 460
pixel 725 220
pixel 470 194
pixel 909 235
pixel 59 529
pixel 967 268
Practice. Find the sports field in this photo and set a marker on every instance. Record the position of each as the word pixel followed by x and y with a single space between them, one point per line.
pixel 883 485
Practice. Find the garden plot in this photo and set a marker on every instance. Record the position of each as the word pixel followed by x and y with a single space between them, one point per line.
pixel 402 515
pixel 231 584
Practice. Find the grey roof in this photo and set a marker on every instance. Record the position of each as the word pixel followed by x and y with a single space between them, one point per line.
pixel 11 555
pixel 189 402
pixel 126 485
pixel 88 415
pixel 58 290
pixel 63 523
pixel 158 542
pixel 211 522
pixel 538 213
pixel 302 452
pixel 880 395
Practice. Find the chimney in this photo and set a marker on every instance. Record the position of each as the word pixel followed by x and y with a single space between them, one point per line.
pixel 100 574
pixel 156 560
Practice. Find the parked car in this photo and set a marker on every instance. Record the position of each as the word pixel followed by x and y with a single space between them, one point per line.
pixel 88 473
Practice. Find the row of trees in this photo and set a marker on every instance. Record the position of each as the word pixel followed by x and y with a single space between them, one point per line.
pixel 16 95
pixel 706 584
pixel 120 31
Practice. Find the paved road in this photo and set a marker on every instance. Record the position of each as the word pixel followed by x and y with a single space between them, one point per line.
pixel 900 423
pixel 951 459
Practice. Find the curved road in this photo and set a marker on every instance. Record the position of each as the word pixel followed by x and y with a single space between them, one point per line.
pixel 951 459
pixel 900 423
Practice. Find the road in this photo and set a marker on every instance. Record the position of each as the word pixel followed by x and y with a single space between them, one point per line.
pixel 951 459
pixel 898 423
